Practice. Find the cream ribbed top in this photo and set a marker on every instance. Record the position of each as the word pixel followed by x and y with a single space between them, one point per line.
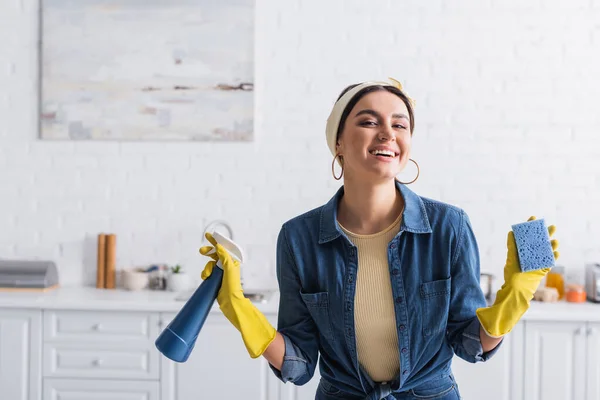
pixel 374 317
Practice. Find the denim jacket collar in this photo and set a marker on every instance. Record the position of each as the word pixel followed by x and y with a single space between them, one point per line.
pixel 414 217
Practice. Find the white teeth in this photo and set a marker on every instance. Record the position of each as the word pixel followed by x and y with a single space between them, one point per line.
pixel 383 152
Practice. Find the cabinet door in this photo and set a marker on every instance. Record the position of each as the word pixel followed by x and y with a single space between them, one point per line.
pixel 97 389
pixel 108 326
pixel 218 368
pixel 503 372
pixel 593 361
pixel 555 354
pixel 20 360
pixel 100 360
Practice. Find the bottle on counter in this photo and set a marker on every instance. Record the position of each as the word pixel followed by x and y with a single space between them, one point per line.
pixel 556 279
pixel 158 277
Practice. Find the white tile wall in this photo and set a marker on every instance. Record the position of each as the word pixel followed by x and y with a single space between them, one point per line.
pixel 507 125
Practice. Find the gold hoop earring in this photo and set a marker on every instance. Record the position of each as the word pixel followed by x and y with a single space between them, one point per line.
pixel 417 177
pixel 337 178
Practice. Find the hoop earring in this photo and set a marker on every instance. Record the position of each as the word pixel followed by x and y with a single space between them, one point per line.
pixel 417 177
pixel 337 178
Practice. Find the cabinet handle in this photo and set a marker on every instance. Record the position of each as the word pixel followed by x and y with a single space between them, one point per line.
pixel 97 327
pixel 579 331
pixel 97 362
pixel 591 331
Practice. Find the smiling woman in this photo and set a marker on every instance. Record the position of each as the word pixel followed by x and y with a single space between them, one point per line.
pixel 379 286
pixel 378 119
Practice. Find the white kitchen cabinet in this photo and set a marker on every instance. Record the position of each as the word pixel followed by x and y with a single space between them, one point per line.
pixel 555 360
pixel 20 354
pixel 100 354
pixel 218 367
pixel 94 344
pixel 87 389
pixel 593 361
pixel 500 377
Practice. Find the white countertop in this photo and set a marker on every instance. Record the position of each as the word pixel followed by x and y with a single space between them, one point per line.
pixel 90 298
pixel 563 311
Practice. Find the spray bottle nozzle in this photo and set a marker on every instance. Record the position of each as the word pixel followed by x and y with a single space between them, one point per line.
pixel 234 250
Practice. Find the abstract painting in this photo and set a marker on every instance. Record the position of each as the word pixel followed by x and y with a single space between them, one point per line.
pixel 147 70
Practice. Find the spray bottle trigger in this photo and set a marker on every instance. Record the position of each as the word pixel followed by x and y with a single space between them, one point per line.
pixel 233 248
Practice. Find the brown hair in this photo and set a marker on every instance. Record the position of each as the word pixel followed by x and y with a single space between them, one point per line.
pixel 366 91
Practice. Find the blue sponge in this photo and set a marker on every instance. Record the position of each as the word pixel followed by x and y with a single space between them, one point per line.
pixel 533 245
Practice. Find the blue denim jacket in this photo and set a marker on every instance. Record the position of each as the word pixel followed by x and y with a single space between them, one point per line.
pixel 434 269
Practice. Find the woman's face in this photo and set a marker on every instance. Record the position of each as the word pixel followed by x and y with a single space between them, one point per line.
pixel 375 140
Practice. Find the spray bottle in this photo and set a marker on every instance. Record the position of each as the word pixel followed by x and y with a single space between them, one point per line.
pixel 177 340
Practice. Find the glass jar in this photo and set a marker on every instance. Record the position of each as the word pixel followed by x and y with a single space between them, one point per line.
pixel 575 293
pixel 556 279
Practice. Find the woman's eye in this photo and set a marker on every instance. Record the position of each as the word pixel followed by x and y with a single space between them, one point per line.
pixel 368 123
pixel 400 126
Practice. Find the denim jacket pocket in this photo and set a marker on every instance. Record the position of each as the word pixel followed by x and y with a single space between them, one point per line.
pixel 435 300
pixel 326 391
pixel 434 389
pixel 329 390
pixel 318 306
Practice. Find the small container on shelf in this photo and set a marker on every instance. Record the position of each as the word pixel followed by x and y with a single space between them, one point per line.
pixel 575 293
pixel 134 279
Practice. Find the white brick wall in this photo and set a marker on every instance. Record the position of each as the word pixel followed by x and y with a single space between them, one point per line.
pixel 507 126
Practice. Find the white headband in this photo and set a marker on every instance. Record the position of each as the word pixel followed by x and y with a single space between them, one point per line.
pixel 335 116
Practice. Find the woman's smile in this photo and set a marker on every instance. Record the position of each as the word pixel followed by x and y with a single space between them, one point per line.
pixel 384 153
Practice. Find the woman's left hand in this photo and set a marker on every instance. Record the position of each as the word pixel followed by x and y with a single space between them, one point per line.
pixel 515 295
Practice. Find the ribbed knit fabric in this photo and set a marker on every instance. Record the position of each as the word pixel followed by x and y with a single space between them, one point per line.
pixel 374 317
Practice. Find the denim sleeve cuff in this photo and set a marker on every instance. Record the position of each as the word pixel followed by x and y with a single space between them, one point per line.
pixel 472 343
pixel 294 367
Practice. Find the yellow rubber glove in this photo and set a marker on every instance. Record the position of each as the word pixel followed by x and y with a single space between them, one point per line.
pixel 515 295
pixel 257 332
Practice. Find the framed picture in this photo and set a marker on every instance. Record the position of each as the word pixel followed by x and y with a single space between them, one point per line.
pixel 147 70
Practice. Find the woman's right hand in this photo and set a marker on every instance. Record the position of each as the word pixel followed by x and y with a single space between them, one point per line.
pixel 257 332
pixel 231 287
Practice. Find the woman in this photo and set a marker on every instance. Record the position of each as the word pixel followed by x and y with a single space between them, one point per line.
pixel 381 283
